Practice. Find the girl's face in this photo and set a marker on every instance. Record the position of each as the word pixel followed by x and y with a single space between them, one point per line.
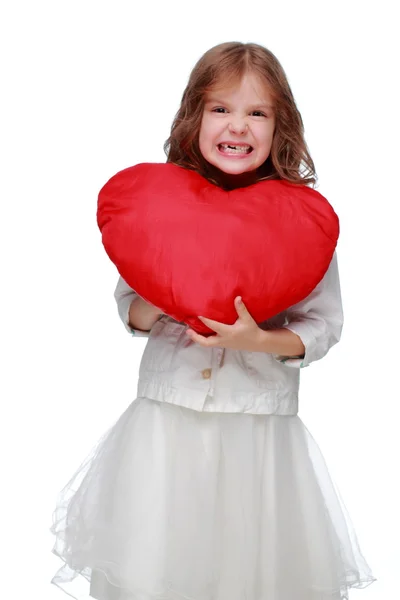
pixel 237 128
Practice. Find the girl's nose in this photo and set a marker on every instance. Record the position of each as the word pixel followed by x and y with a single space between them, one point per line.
pixel 238 126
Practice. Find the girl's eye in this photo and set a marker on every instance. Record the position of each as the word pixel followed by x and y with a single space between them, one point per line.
pixel 221 110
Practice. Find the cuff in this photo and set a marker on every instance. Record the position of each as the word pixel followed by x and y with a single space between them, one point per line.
pixel 306 335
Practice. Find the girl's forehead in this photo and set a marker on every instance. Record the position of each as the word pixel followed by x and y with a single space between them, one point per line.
pixel 230 85
pixel 233 86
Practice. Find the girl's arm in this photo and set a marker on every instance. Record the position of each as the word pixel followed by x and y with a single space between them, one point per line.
pixel 282 342
pixel 136 314
pixel 316 322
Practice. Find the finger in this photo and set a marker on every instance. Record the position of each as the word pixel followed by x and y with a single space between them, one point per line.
pixel 241 309
pixel 216 326
pixel 207 342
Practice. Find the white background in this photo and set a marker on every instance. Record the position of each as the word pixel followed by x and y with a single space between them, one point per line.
pixel 89 88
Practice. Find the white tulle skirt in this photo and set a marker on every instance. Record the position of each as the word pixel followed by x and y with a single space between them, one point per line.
pixel 178 504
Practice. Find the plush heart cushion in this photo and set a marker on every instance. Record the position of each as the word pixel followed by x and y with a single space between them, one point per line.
pixel 189 247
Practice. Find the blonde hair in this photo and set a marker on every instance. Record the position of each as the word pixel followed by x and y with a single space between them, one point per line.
pixel 227 63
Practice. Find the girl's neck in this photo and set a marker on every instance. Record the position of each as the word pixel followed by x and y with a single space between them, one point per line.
pixel 231 182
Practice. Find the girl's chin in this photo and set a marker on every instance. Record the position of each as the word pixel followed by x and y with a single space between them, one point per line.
pixel 234 166
pixel 231 166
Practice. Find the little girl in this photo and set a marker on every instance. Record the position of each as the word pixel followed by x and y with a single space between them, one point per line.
pixel 209 486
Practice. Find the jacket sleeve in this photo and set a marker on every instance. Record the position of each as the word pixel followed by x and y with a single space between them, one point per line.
pixel 317 320
pixel 123 296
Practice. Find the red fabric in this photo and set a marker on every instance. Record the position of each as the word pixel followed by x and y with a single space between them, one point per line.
pixel 189 247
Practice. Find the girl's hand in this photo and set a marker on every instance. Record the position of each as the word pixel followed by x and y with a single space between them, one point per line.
pixel 243 335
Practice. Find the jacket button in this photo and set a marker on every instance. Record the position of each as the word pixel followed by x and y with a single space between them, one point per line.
pixel 206 373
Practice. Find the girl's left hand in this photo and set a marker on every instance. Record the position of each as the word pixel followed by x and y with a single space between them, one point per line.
pixel 244 334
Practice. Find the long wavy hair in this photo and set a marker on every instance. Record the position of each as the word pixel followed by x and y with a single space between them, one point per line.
pixel 226 64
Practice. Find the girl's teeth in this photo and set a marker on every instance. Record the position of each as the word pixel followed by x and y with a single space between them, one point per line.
pixel 234 149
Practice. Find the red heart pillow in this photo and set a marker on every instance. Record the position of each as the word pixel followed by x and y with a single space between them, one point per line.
pixel 189 247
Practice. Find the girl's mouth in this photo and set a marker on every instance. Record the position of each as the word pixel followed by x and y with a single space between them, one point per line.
pixel 235 150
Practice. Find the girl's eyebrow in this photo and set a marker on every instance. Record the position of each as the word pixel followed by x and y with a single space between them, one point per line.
pixel 215 100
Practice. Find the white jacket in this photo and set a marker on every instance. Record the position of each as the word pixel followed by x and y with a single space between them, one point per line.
pixel 177 370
